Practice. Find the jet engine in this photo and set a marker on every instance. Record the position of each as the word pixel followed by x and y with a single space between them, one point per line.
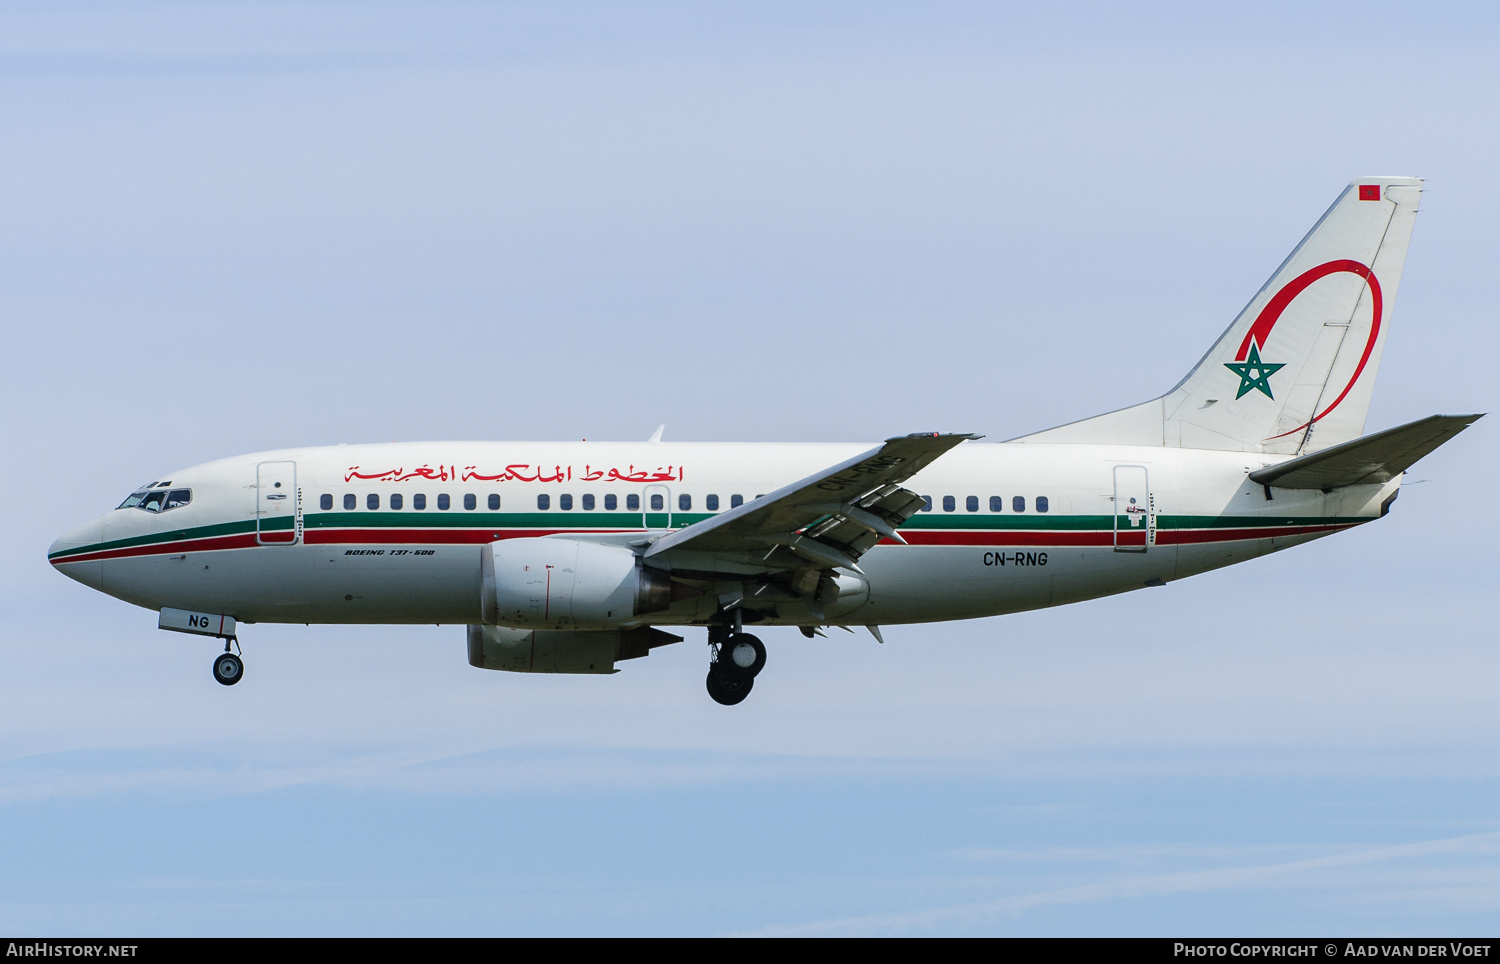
pixel 568 584
pixel 546 651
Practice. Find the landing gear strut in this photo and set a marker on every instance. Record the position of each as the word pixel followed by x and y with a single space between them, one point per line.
pixel 736 659
pixel 229 668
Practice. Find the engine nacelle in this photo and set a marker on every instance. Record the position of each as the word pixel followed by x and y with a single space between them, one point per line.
pixel 568 584
pixel 851 591
pixel 547 651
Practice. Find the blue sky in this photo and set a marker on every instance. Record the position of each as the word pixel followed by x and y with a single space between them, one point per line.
pixel 229 228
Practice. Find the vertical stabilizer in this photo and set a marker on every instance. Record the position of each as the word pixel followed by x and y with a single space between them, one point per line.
pixel 1295 371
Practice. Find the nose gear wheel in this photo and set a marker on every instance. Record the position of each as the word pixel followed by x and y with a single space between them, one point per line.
pixel 229 669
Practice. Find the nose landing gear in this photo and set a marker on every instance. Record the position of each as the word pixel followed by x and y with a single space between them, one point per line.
pixel 229 668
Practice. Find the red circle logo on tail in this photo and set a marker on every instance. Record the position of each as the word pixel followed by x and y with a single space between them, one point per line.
pixel 1260 331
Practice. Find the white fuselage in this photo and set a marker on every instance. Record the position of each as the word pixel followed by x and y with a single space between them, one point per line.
pixel 341 548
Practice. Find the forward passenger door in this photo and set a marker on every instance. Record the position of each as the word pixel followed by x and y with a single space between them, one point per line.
pixel 278 504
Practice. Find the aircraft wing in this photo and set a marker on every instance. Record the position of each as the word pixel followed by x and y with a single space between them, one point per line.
pixel 825 521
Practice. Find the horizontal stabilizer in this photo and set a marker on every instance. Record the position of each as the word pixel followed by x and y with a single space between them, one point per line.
pixel 1366 461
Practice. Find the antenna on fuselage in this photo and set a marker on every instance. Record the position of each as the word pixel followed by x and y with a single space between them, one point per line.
pixel 656 435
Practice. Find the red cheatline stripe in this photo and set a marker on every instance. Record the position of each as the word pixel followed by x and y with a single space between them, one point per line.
pixel 377 537
pixel 315 537
pixel 1106 537
pixel 951 537
pixel 242 541
pixel 429 536
pixel 1188 536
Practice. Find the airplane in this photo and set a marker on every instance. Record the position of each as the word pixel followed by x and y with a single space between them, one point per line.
pixel 574 557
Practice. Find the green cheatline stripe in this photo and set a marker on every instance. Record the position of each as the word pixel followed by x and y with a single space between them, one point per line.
pixel 1066 523
pixel 175 535
pixel 171 535
pixel 560 519
pixel 1061 523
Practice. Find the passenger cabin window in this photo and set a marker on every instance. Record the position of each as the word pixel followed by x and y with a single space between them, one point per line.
pixel 471 501
pixel 1041 503
pixel 396 500
pixel 712 502
pixel 349 502
pixel 735 501
pixel 494 502
pixel 1018 503
pixel 611 502
pixel 372 501
pixel 325 501
pixel 948 504
pixel 972 503
pixel 419 501
pixel 565 502
pixel 684 502
pixel 926 504
pixel 544 501
pixel 633 503
pixel 443 502
pixel 996 503
pixel 657 502
pixel 588 503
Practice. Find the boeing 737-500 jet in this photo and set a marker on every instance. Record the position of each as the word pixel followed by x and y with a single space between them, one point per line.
pixel 572 557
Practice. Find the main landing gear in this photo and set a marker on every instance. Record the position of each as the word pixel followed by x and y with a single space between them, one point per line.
pixel 736 659
pixel 229 668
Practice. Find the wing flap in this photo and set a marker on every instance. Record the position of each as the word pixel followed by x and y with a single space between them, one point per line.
pixel 1369 460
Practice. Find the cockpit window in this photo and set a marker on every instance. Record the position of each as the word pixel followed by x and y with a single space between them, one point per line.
pixel 157 500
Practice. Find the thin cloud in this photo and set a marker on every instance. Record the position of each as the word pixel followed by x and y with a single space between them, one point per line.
pixel 1153 885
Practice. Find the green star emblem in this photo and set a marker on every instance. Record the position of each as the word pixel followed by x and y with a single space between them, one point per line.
pixel 1263 372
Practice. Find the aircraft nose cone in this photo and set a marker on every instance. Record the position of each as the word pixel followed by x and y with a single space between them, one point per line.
pixel 65 557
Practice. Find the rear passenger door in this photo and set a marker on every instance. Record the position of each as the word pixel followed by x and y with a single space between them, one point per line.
pixel 1135 518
